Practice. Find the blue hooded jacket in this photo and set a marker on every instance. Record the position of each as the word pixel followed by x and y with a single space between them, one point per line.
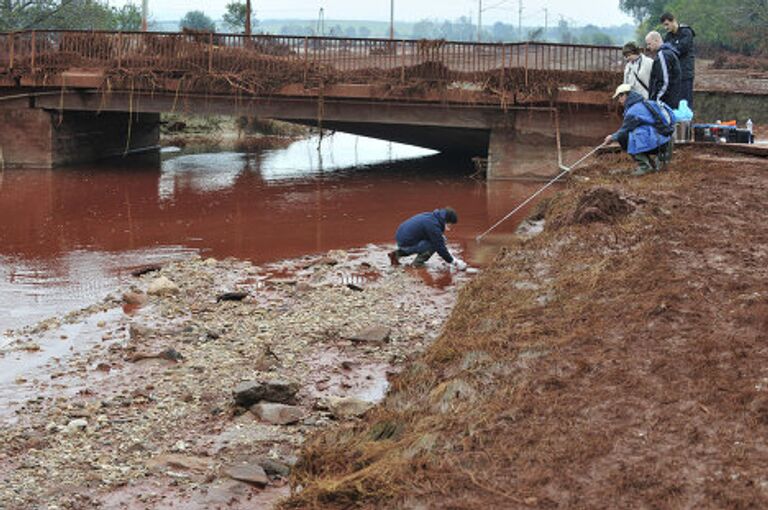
pixel 640 124
pixel 427 226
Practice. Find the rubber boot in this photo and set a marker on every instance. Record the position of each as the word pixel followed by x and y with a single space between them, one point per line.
pixel 394 257
pixel 422 259
pixel 644 165
pixel 665 154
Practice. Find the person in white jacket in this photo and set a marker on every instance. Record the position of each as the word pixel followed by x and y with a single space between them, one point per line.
pixel 637 72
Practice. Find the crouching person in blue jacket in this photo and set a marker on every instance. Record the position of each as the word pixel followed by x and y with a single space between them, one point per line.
pixel 646 131
pixel 422 235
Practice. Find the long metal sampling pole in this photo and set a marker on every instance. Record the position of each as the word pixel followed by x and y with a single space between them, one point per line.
pixel 539 192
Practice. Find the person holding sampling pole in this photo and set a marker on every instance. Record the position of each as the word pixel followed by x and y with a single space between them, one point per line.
pixel 646 131
pixel 422 234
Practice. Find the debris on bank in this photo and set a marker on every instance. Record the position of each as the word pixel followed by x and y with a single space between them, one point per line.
pixel 201 379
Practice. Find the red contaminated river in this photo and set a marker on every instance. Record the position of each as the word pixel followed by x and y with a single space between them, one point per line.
pixel 67 236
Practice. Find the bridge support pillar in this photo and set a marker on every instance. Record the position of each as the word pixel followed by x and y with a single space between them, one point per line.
pixel 37 138
pixel 527 146
pixel 521 154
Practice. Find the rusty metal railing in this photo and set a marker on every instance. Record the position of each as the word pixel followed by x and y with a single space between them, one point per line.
pixel 57 50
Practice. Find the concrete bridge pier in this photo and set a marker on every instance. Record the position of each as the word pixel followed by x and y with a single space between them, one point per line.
pixel 42 138
pixel 532 144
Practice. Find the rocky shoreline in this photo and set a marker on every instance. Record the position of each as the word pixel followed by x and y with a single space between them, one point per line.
pixel 196 383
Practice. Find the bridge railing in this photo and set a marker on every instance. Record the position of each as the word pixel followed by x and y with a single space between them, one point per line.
pixel 55 50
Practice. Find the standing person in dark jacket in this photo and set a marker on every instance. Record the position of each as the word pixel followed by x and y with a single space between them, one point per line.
pixel 665 73
pixel 681 37
pixel 423 234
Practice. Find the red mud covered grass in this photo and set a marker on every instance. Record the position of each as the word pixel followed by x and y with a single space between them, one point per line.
pixel 617 360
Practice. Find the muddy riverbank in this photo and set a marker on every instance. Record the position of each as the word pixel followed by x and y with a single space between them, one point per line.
pixel 616 360
pixel 129 403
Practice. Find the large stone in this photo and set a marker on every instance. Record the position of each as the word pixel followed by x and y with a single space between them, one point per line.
pixel 347 407
pixel 248 393
pixel 74 426
pixel 277 414
pixel 275 467
pixel 376 334
pixel 135 298
pixel 249 472
pixel 161 286
pixel 179 461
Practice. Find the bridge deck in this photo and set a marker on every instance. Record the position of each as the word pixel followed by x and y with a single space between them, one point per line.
pixel 266 65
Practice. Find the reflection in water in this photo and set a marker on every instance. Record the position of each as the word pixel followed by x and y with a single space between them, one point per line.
pixel 72 232
pixel 302 159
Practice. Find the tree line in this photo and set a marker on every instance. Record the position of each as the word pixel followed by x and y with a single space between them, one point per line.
pixel 67 14
pixel 735 25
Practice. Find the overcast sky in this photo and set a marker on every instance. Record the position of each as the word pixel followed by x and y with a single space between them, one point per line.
pixel 598 12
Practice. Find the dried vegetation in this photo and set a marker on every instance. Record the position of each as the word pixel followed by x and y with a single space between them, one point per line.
pixel 616 362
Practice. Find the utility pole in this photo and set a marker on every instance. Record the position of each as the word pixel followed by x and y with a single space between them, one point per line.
pixel 391 19
pixel 321 22
pixel 247 18
pixel 479 20
pixel 520 20
pixel 144 9
pixel 546 22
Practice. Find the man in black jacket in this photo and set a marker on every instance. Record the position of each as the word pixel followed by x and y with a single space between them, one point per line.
pixel 665 73
pixel 681 38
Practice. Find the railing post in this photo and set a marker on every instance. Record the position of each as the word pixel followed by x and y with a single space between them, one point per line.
pixel 13 38
pixel 402 62
pixel 34 51
pixel 210 52
pixel 526 64
pixel 306 58
pixel 119 50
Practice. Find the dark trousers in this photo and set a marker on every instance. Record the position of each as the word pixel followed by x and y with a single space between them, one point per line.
pixel 686 91
pixel 423 246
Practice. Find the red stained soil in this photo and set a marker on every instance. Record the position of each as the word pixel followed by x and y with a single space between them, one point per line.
pixel 618 363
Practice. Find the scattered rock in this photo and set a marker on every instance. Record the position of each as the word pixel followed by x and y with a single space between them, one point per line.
pixel 232 296
pixel 149 268
pixel 354 287
pixel 137 331
pixel 170 354
pixel 135 298
pixel 377 334
pixel 275 468
pixel 162 286
pixel 347 407
pixel 248 393
pixel 249 472
pixel 74 426
pixel 178 461
pixel 30 347
pixel 277 414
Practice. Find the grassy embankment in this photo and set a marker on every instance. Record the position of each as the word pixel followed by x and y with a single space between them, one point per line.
pixel 617 360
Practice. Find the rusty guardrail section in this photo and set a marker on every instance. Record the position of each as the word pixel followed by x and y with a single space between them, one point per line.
pixel 56 50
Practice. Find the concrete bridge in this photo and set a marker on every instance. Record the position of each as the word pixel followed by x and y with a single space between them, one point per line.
pixel 69 96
